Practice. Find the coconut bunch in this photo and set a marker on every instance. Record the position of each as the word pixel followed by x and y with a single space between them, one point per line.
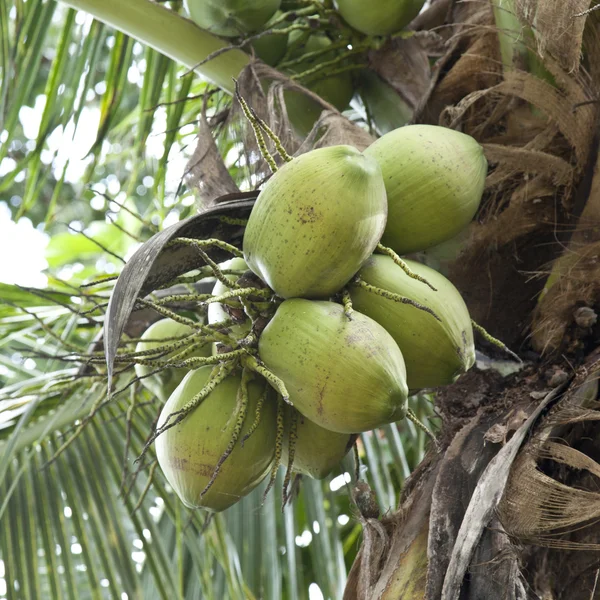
pixel 317 331
pixel 321 45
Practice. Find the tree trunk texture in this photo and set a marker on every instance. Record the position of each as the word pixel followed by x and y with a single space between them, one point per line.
pixel 508 507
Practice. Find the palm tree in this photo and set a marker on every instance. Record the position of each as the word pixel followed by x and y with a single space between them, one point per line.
pixel 505 508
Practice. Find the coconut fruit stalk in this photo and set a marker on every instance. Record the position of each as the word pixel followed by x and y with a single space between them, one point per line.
pixel 435 351
pixel 189 452
pixel 158 334
pixel 434 179
pixel 231 18
pixel 346 375
pixel 317 451
pixel 316 221
pixel 379 17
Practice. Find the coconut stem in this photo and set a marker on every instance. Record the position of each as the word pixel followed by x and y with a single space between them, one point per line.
pixel 255 121
pixel 183 298
pixel 165 312
pixel 413 417
pixel 216 270
pixel 492 340
pixel 199 361
pixel 258 415
pixel 239 293
pixel 292 438
pixel 347 302
pixel 317 72
pixel 260 140
pixel 160 351
pixel 252 363
pixel 203 273
pixel 207 244
pixel 395 297
pixel 309 56
pixel 278 448
pixel 208 330
pixel 389 252
pixel 272 135
pixel 356 460
pixel 217 375
pixel 233 221
pixel 242 410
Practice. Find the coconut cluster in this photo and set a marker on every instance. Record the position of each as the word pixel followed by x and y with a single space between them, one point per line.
pixel 311 44
pixel 322 331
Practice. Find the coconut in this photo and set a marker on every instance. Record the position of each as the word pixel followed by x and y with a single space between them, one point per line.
pixel 163 383
pixel 317 451
pixel 231 18
pixel 435 352
pixel 189 452
pixel 434 179
pixel 346 375
pixel 379 17
pixel 387 110
pixel 219 313
pixel 316 221
pixel 270 48
pixel 335 89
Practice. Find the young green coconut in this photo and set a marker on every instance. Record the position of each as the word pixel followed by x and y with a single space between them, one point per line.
pixel 385 108
pixel 205 448
pixel 436 351
pixel 316 221
pixel 231 18
pixel 217 313
pixel 345 374
pixel 315 451
pixel 270 48
pixel 165 333
pixel 379 17
pixel 434 179
pixel 336 89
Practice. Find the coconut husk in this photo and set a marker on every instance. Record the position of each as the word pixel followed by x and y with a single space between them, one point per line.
pixel 558 31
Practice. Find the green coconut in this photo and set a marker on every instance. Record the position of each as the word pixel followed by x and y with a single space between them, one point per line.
pixel 315 222
pixel 317 451
pixel 217 313
pixel 189 452
pixel 231 18
pixel 270 48
pixel 336 89
pixel 435 352
pixel 379 17
pixel 163 383
pixel 387 110
pixel 434 178
pixel 346 375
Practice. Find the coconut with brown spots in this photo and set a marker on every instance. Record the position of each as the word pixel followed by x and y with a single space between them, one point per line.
pixel 189 452
pixel 345 374
pixel 316 221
